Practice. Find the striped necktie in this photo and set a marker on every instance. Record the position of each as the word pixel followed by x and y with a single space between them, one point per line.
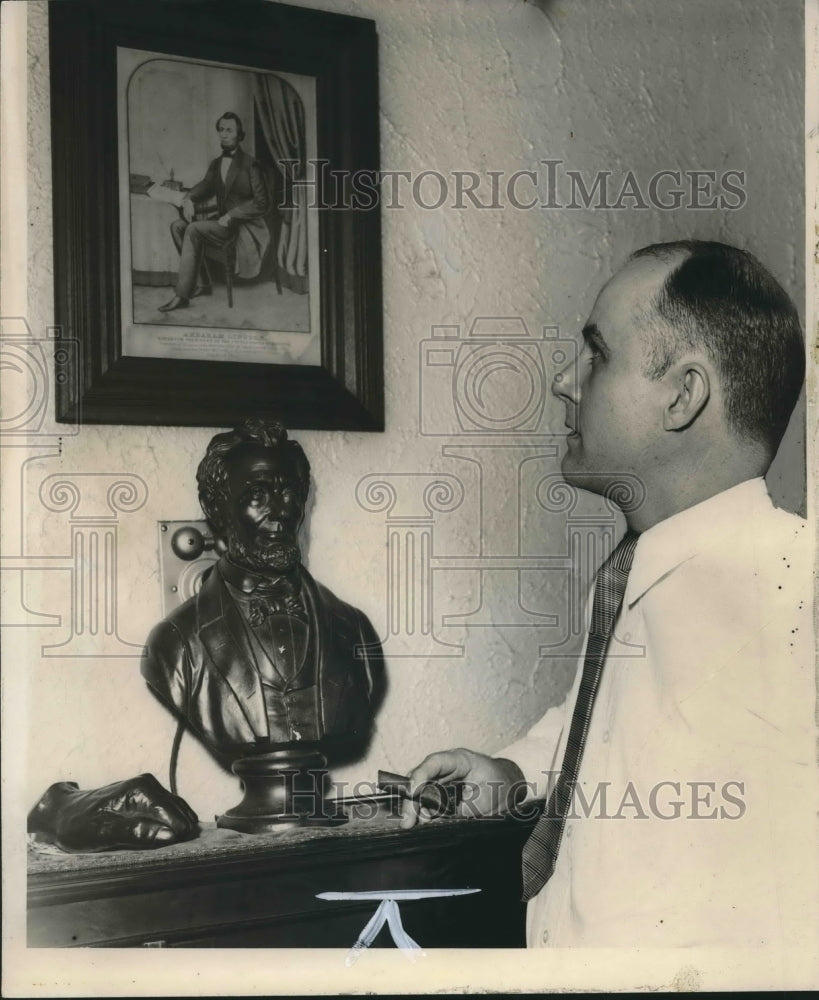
pixel 540 850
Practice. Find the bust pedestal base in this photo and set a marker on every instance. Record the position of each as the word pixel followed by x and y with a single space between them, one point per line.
pixel 282 790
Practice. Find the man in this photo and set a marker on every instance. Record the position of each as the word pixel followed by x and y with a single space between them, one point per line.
pixel 237 182
pixel 684 812
pixel 263 658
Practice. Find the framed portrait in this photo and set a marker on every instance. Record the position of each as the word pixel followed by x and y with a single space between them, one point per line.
pixel 209 263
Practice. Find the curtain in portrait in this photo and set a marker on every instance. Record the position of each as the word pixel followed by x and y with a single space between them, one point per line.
pixel 280 112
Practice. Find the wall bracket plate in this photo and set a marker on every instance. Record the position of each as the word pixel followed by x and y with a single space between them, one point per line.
pixel 187 550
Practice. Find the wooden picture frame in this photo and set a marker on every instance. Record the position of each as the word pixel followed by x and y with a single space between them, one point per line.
pixel 344 391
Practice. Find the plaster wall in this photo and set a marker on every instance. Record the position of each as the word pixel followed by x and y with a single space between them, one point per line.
pixel 484 85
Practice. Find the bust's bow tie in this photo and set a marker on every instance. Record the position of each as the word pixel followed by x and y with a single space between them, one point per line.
pixel 229 153
pixel 275 597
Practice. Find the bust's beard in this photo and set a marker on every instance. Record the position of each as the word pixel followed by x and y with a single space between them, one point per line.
pixel 264 556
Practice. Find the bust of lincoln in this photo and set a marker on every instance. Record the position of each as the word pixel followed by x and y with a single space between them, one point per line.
pixel 264 657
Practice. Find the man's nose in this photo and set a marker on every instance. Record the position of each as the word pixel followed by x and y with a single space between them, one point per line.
pixel 564 384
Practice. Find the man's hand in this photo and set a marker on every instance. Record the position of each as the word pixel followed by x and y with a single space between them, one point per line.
pixel 135 813
pixel 491 784
pixel 224 220
pixel 187 209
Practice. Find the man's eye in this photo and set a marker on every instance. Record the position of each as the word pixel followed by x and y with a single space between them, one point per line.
pixel 256 495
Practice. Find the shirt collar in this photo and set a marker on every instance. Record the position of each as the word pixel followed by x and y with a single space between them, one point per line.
pixel 247 580
pixel 668 544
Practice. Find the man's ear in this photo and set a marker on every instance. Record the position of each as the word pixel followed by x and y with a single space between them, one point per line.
pixel 690 382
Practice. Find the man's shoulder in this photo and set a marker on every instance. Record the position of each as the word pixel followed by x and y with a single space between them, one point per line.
pixel 757 538
pixel 727 558
pixel 751 527
pixel 772 530
pixel 747 573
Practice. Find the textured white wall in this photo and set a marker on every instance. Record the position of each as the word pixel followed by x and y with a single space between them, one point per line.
pixel 480 85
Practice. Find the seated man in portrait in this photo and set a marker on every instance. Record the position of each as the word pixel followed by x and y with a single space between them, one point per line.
pixel 237 182
pixel 263 658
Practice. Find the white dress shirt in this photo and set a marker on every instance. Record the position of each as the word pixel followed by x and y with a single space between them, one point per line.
pixel 709 678
pixel 224 166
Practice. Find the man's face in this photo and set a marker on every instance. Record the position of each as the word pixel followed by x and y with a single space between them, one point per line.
pixel 228 133
pixel 613 411
pixel 265 510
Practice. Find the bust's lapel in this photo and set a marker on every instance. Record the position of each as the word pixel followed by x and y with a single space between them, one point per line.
pixel 224 637
pixel 319 635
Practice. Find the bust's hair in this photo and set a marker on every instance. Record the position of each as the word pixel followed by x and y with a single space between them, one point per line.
pixel 232 116
pixel 212 475
pixel 723 300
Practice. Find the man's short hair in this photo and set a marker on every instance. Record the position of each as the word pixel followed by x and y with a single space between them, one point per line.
pixel 212 475
pixel 724 300
pixel 232 116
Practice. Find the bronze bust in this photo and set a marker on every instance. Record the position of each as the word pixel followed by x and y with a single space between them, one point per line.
pixel 264 657
pixel 269 669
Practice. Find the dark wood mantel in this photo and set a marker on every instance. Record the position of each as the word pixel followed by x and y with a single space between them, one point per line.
pixel 227 889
